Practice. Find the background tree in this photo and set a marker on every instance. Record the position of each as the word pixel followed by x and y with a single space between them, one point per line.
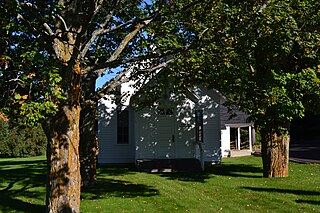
pixel 21 141
pixel 264 56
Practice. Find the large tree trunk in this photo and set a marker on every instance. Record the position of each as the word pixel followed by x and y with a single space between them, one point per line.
pixel 275 152
pixel 64 181
pixel 88 136
pixel 88 144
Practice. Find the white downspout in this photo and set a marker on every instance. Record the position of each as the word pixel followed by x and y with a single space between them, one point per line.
pixel 239 139
pixel 250 138
pixel 201 155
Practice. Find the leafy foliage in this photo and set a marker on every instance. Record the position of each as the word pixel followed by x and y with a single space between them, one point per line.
pixel 263 56
pixel 20 141
pixel 117 33
pixel 30 82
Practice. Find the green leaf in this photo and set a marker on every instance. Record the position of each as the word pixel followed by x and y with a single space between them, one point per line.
pixel 17 96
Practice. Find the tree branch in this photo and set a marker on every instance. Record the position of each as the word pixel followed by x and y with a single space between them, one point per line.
pixel 96 33
pixel 263 7
pixel 66 28
pixel 121 77
pixel 98 6
pixel 121 46
pixel 126 40
pixel 99 69
pixel 101 31
pixel 47 28
pixel 143 22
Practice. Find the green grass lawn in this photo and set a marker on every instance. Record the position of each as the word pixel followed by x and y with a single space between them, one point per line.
pixel 234 186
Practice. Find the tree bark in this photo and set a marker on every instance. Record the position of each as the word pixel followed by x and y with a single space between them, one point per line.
pixel 64 181
pixel 275 152
pixel 88 136
pixel 88 145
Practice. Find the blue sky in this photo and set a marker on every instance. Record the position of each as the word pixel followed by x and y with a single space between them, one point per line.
pixel 107 76
pixel 102 80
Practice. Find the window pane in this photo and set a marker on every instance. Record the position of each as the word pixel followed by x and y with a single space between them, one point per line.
pixel 161 112
pixel 123 127
pixel 169 112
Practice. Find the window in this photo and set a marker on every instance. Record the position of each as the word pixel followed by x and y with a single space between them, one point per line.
pixel 199 125
pixel 123 127
pixel 168 112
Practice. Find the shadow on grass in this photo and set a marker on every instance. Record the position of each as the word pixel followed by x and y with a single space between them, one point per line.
pixel 290 191
pixel 286 191
pixel 116 171
pixel 199 177
pixel 19 182
pixel 231 170
pixel 312 202
pixel 8 162
pixel 106 187
pixel 235 170
pixel 8 203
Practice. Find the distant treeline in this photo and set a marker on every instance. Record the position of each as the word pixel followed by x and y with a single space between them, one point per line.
pixel 21 141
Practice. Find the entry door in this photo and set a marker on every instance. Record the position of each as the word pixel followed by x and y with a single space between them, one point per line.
pixel 166 134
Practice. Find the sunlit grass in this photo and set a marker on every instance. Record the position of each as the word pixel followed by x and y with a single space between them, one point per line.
pixel 234 186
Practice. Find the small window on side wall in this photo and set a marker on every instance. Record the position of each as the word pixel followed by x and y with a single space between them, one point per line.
pixel 123 127
pixel 168 112
pixel 199 126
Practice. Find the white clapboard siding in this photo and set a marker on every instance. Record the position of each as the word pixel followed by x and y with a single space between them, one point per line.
pixel 147 128
pixel 212 137
pixel 225 141
pixel 109 151
pixel 185 129
pixel 210 104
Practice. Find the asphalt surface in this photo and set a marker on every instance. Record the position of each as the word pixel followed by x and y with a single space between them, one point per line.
pixel 305 151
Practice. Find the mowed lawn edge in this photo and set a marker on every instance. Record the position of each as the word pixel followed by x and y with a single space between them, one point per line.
pixel 236 185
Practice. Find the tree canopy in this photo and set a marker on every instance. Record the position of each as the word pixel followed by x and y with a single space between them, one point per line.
pixel 263 55
pixel 54 50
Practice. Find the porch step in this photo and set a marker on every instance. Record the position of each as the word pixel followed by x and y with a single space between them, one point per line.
pixel 240 153
pixel 168 165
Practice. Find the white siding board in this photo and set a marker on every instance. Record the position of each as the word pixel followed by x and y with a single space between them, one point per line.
pixel 109 150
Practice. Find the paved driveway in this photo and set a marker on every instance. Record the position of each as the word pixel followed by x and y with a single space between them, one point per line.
pixel 305 151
